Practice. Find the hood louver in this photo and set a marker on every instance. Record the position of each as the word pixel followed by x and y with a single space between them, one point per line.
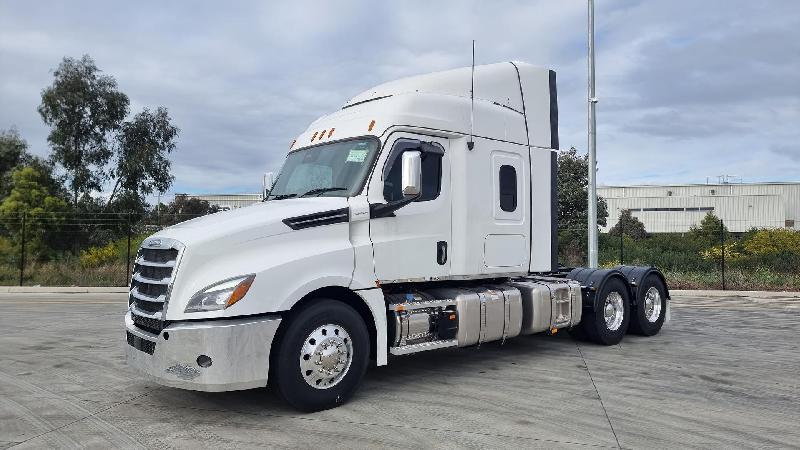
pixel 317 219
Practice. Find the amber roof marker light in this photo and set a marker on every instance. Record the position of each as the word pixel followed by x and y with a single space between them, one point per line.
pixel 371 125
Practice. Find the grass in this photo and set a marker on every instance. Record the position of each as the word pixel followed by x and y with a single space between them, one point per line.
pixel 70 273
pixel 65 273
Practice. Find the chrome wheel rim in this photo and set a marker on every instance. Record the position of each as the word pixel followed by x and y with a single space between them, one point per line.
pixel 614 311
pixel 652 305
pixel 326 356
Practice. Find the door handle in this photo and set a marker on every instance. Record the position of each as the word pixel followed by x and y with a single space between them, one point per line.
pixel 441 252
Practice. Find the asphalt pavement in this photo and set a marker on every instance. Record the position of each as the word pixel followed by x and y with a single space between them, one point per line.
pixel 723 374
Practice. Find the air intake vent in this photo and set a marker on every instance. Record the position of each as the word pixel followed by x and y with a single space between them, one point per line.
pixel 318 219
pixel 138 343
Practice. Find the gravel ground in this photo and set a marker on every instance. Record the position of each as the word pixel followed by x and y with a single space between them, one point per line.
pixel 723 373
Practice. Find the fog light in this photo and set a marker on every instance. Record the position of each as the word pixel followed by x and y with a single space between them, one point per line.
pixel 204 361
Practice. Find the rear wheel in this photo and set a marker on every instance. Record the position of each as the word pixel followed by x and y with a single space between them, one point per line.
pixel 322 356
pixel 651 307
pixel 609 322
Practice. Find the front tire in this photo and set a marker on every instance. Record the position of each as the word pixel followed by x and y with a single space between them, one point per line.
pixel 609 322
pixel 322 356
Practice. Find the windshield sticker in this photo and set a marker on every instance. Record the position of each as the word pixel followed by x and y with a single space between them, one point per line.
pixel 357 155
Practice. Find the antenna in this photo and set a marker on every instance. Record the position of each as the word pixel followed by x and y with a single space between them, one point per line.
pixel 471 143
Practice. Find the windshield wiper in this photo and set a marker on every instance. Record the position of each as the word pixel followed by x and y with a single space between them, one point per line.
pixel 281 196
pixel 320 191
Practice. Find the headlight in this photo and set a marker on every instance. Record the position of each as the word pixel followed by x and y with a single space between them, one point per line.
pixel 220 295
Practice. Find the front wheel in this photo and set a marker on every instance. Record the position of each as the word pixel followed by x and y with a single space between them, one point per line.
pixel 609 322
pixel 322 356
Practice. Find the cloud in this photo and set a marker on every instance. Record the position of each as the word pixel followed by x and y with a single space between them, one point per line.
pixel 687 89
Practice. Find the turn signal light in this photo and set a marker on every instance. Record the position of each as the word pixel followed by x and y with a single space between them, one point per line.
pixel 240 290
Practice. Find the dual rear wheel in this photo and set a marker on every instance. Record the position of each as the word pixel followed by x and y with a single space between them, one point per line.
pixel 616 314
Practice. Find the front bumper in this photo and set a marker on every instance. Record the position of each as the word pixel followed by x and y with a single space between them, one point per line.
pixel 238 348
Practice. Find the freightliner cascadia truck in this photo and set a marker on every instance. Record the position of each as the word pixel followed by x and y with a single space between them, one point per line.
pixel 420 216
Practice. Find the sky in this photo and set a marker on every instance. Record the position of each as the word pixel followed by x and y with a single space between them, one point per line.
pixel 687 89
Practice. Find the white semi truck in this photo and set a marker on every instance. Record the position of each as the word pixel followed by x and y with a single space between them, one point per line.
pixel 418 217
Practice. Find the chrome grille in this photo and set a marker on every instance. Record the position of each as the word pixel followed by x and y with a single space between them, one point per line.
pixel 153 272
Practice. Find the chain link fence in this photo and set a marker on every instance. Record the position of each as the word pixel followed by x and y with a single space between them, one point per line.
pixel 98 249
pixel 70 249
pixel 709 257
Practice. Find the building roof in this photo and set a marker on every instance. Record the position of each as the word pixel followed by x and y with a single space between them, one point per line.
pixel 791 183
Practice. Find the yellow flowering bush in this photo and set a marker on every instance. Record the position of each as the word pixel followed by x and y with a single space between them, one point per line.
pixel 766 242
pixel 733 251
pixel 98 256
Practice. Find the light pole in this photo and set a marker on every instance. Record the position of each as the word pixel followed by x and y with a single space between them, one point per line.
pixel 592 100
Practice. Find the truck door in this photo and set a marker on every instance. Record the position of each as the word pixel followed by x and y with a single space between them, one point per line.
pixel 413 244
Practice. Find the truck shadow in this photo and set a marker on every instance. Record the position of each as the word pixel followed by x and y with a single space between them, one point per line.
pixel 395 379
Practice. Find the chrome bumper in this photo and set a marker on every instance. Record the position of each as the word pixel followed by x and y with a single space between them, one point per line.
pixel 238 348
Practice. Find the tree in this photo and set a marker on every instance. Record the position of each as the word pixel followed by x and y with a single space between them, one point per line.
pixel 83 109
pixel 573 205
pixel 86 113
pixel 14 154
pixel 710 231
pixel 142 166
pixel 573 192
pixel 631 226
pixel 13 150
pixel 31 198
pixel 185 208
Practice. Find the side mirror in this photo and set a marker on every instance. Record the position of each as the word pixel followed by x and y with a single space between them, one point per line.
pixel 411 171
pixel 269 180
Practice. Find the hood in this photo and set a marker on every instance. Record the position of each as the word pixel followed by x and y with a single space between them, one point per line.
pixel 253 222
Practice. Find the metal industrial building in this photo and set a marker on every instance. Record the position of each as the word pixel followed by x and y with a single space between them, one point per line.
pixel 227 201
pixel 675 208
pixel 666 208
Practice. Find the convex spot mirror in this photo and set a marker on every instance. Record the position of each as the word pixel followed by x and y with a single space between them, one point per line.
pixel 411 173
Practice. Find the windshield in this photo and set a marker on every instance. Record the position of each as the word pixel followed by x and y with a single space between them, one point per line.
pixel 337 169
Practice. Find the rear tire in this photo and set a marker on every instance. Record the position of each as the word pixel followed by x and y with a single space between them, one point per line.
pixel 609 322
pixel 322 356
pixel 647 317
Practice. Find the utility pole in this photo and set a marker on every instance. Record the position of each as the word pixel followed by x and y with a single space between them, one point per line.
pixel 592 100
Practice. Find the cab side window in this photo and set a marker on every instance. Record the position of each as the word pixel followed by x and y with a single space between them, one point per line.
pixel 431 176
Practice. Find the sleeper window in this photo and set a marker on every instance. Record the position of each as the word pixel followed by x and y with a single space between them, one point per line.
pixel 508 188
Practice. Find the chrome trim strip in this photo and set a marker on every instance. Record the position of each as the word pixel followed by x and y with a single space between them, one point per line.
pixel 143 262
pixel 139 312
pixel 136 294
pixel 142 279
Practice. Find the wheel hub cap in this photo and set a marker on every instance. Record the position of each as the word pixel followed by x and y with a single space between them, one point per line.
pixel 326 356
pixel 613 311
pixel 652 305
